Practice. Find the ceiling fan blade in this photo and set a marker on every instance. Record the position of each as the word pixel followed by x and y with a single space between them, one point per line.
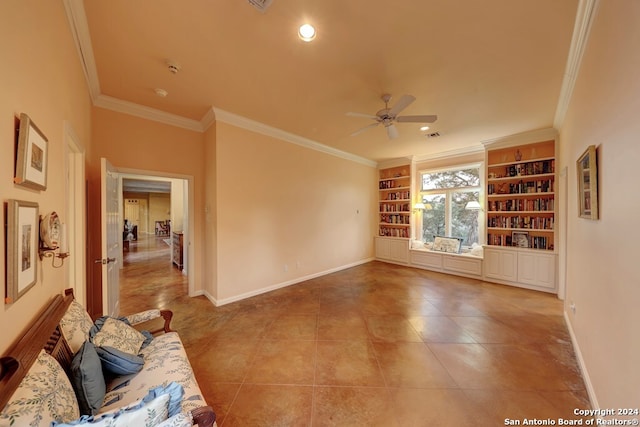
pixel 359 131
pixel 392 132
pixel 402 103
pixel 368 116
pixel 417 119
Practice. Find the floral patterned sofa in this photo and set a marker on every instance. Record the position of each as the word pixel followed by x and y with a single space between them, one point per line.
pixel 52 377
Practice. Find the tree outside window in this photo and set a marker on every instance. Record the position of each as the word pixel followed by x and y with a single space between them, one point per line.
pixel 445 194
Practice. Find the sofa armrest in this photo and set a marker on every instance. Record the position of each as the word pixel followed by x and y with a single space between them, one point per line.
pixel 203 416
pixel 149 315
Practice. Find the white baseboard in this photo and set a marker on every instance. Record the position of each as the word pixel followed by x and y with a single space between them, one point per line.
pixel 240 297
pixel 583 367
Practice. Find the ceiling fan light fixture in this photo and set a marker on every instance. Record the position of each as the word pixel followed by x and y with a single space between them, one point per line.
pixel 307 32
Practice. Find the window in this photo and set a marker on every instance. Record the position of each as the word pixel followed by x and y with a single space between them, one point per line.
pixel 445 194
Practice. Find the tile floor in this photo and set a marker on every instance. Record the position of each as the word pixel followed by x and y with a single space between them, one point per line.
pixel 376 344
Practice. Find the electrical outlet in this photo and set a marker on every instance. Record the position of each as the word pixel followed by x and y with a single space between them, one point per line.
pixel 573 307
pixel 285 268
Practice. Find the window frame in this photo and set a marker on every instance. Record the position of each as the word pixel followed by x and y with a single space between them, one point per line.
pixel 448 192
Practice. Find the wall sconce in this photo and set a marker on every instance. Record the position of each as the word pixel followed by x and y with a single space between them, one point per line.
pixel 53 236
pixel 473 205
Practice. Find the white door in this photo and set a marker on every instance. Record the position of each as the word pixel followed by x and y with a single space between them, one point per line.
pixel 111 237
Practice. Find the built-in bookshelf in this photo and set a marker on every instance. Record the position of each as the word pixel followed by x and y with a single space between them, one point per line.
pixel 521 205
pixel 395 202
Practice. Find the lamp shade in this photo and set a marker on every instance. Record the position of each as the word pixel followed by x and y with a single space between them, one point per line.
pixel 419 206
pixel 473 205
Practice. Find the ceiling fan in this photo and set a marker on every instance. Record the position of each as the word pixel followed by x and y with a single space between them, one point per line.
pixel 388 116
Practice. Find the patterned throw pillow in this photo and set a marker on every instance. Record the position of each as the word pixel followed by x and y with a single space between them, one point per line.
pixel 178 420
pixel 75 326
pixel 157 406
pixel 44 394
pixel 117 334
pixel 142 414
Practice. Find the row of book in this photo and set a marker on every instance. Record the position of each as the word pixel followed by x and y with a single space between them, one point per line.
pixel 531 168
pixel 399 195
pixel 390 184
pixel 518 205
pixel 395 219
pixel 394 232
pixel 522 187
pixel 531 222
pixel 534 242
pixel 398 207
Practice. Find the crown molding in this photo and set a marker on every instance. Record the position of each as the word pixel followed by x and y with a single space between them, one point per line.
pixel 208 119
pixel 587 10
pixel 261 128
pixel 80 32
pixel 148 113
pixel 523 138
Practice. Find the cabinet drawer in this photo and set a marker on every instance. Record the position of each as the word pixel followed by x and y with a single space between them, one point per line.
pixel 462 264
pixel 426 259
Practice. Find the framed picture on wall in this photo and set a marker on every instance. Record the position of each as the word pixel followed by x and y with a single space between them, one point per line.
pixel 32 156
pixel 22 248
pixel 587 168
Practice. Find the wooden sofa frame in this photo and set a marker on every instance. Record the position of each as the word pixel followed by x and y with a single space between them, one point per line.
pixel 44 333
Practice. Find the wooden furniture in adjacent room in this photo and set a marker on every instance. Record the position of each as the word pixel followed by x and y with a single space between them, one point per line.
pixel 163 228
pixel 177 249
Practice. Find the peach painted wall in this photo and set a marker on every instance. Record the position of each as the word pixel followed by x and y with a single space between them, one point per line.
pixel 603 278
pixel 285 212
pixel 41 76
pixel 210 218
pixel 134 143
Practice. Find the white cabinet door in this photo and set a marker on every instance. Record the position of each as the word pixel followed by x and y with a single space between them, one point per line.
pixel 500 264
pixel 537 269
pixel 399 250
pixel 396 250
pixel 383 248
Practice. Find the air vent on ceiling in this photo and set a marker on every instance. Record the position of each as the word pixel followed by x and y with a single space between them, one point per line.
pixel 433 135
pixel 261 5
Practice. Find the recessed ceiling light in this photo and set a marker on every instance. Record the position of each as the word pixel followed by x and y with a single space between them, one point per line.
pixel 306 32
pixel 424 128
pixel 161 92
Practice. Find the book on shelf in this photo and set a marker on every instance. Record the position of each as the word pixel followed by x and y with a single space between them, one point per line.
pixel 544 204
pixel 394 232
pixel 533 242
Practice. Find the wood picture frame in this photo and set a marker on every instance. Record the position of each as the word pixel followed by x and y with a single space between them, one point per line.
pixel 32 156
pixel 451 245
pixel 22 248
pixel 520 239
pixel 587 168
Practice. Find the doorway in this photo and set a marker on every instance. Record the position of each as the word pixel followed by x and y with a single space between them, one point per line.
pixel 147 201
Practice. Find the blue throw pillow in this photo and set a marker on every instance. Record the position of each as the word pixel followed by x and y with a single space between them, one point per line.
pixel 87 379
pixel 118 362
